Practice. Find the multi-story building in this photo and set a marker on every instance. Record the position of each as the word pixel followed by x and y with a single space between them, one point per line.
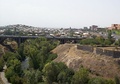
pixel 115 26
pixel 94 27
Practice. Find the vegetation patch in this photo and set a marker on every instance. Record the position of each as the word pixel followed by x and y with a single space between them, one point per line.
pixel 42 69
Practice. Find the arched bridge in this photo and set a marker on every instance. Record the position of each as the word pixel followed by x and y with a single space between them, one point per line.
pixel 21 39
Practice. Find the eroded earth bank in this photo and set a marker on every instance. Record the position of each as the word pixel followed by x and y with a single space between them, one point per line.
pixel 98 65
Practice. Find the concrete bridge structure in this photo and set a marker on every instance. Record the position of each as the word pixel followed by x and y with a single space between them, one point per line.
pixel 21 39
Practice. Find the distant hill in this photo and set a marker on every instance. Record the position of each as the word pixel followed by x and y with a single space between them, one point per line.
pixel 18 26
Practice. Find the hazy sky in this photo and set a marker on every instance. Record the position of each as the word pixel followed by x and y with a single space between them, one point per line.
pixel 60 13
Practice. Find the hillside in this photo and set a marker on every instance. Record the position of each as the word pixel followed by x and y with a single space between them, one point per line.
pixel 18 26
pixel 2 50
pixel 98 65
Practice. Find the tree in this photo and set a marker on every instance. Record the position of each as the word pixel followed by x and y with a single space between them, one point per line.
pixel 100 81
pixel 15 79
pixel 109 35
pixel 117 80
pixel 51 57
pixel 8 55
pixel 81 77
pixel 8 32
pixel 39 52
pixel 65 76
pixel 50 73
pixel 110 38
pixel 117 42
pixel 89 41
pixel 21 52
pixel 17 66
pixel 10 58
pixel 9 72
pixel 100 40
pixel 1 63
pixel 32 77
pixel 57 72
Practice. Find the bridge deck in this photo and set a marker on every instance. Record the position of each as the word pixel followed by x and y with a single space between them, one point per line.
pixel 49 37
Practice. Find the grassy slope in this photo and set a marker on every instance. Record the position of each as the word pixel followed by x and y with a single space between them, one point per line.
pixel 116 32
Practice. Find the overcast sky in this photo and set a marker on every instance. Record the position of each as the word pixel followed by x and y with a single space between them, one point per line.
pixel 60 13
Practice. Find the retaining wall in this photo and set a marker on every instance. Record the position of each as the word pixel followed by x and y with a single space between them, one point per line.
pixel 97 50
pixel 108 53
pixel 86 48
pixel 116 54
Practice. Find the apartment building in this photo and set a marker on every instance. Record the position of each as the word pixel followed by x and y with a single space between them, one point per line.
pixel 115 26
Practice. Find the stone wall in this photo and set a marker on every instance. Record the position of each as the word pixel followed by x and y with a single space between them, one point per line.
pixel 86 48
pixel 116 54
pixel 109 53
pixel 97 50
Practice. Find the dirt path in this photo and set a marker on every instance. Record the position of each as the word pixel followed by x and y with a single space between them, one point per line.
pixel 3 78
pixel 1 82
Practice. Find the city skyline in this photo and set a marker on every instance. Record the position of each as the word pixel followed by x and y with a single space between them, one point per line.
pixel 60 13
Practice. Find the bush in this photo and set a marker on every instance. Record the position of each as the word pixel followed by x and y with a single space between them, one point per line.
pixel 81 77
pixel 100 81
pixel 57 72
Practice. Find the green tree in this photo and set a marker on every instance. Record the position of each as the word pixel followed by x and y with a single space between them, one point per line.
pixel 9 72
pixel 15 79
pixel 100 40
pixel 50 73
pixel 100 81
pixel 57 72
pixel 109 35
pixel 51 57
pixel 32 77
pixel 1 63
pixel 21 52
pixel 8 32
pixel 65 76
pixel 10 58
pixel 110 38
pixel 117 80
pixel 89 41
pixel 8 55
pixel 117 42
pixel 39 52
pixel 81 77
pixel 108 42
